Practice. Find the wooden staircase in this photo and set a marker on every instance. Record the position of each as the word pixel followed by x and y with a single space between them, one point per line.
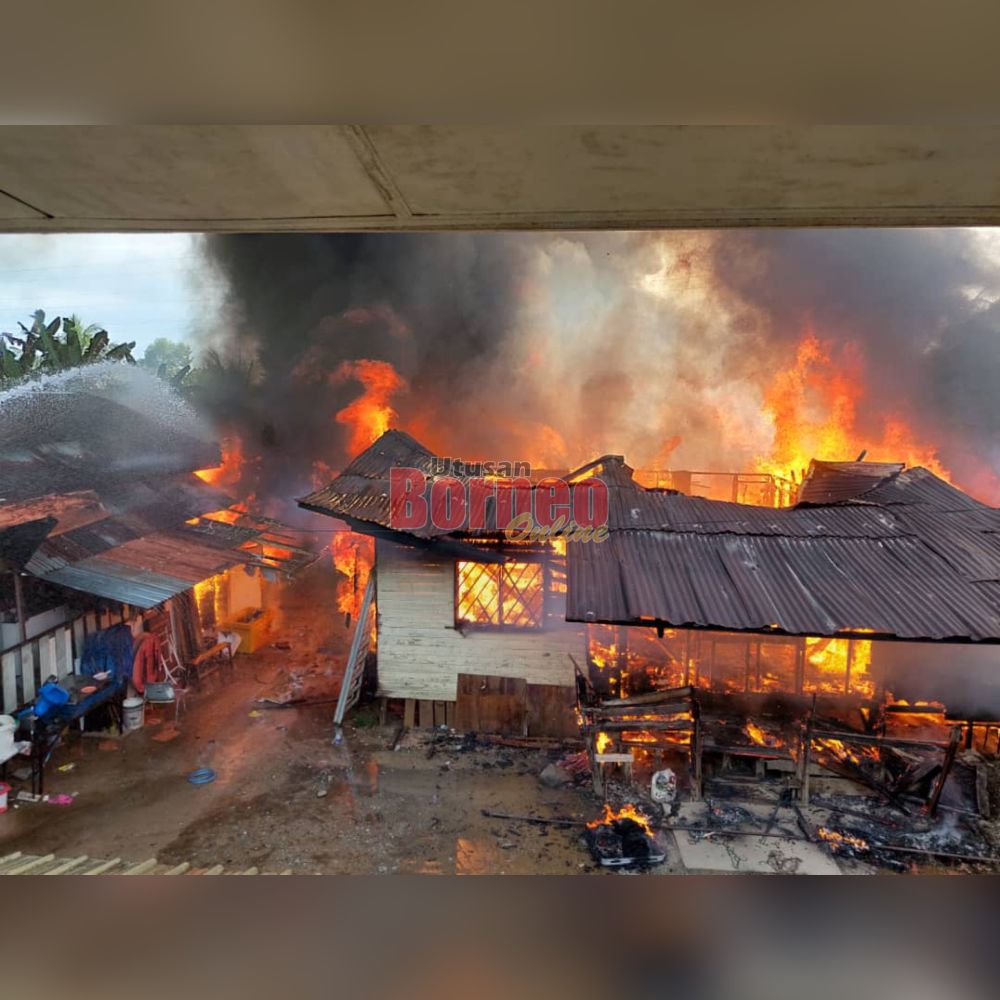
pixel 49 864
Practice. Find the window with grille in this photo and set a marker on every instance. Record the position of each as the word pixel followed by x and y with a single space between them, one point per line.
pixel 501 595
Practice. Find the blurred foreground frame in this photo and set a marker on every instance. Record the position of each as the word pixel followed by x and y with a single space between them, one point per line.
pixel 512 938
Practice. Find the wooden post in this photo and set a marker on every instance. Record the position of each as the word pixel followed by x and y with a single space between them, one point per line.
pixel 621 664
pixel 19 604
pixel 800 666
pixel 696 789
pixel 806 756
pixel 687 657
pixel 595 768
pixel 746 666
pixel 850 664
pixel 949 759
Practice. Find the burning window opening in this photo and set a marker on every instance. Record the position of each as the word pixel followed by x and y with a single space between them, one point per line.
pixel 502 595
pixel 761 489
pixel 633 660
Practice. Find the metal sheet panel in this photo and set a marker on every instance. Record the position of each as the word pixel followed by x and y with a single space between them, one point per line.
pixel 893 553
pixel 835 482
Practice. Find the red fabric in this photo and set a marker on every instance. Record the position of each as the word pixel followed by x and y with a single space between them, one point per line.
pixel 146 661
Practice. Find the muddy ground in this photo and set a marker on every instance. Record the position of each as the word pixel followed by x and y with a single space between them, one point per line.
pixel 287 797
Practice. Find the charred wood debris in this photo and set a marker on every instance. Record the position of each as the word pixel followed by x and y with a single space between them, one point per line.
pixel 899 803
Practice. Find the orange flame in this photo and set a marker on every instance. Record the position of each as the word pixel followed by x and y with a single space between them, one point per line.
pixel 626 812
pixel 353 557
pixel 841 840
pixel 760 737
pixel 371 414
pixel 813 406
pixel 229 472
pixel 603 743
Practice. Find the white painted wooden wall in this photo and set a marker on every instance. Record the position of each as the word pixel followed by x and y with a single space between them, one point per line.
pixel 24 668
pixel 420 652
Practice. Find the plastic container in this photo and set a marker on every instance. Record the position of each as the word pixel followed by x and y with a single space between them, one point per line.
pixel 133 714
pixel 49 696
pixel 4 789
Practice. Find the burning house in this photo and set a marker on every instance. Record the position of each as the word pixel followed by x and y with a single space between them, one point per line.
pixel 106 526
pixel 704 628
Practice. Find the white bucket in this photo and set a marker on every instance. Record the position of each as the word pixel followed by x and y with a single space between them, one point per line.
pixel 133 714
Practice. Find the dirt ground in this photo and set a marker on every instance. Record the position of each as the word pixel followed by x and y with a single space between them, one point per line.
pixel 285 795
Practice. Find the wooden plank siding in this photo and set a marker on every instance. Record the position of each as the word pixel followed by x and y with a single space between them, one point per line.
pixel 421 653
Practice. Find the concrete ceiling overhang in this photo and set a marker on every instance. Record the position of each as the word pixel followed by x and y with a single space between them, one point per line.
pixel 409 177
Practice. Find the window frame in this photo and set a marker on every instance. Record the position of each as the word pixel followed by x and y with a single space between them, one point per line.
pixel 501 626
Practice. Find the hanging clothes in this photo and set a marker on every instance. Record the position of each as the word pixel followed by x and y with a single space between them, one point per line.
pixel 146 661
pixel 110 651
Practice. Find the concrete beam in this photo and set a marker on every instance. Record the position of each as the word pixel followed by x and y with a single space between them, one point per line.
pixel 390 178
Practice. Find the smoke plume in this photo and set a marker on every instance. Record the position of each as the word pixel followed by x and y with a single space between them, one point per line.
pixel 556 348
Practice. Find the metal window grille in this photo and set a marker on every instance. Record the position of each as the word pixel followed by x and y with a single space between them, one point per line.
pixel 507 595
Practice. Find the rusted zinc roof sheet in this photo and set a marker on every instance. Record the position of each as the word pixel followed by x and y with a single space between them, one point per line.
pixel 909 557
pixel 146 572
pixel 833 482
pixel 361 493
pixel 889 552
pixel 67 511
pixel 146 569
pixel 149 540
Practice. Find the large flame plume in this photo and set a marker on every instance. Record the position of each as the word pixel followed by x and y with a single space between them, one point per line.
pixel 370 415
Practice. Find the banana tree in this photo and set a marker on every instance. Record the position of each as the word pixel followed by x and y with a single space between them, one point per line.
pixel 64 343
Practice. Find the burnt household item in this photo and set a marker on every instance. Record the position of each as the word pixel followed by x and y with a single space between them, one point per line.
pixel 623 838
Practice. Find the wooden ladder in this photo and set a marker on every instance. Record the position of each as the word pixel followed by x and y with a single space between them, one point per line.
pixel 354 671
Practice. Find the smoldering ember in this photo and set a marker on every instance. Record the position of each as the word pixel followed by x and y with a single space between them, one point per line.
pixel 734 608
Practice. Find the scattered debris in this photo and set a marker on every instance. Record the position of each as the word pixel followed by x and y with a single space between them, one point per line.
pixel 622 838
pixel 554 776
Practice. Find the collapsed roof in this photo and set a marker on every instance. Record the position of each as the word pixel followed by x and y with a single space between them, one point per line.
pixel 149 541
pixel 878 552
pixel 97 491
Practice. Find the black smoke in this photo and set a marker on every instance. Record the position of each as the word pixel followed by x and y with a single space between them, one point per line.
pixel 437 307
pixel 566 345
pixel 922 305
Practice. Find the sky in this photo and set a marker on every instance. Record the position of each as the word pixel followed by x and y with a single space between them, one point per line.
pixel 138 286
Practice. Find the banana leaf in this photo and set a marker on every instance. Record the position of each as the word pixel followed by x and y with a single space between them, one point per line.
pixel 96 346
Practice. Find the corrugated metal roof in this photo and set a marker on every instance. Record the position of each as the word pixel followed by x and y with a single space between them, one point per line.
pixel 911 557
pixel 361 493
pixel 146 571
pixel 833 482
pixel 69 511
pixel 895 553
pixel 153 546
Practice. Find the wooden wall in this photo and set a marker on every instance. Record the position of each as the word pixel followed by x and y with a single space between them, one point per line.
pixel 421 653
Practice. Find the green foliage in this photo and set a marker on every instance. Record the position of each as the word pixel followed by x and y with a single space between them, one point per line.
pixel 170 359
pixel 65 343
